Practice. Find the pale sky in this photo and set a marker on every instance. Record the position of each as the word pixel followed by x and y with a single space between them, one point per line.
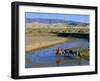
pixel 68 17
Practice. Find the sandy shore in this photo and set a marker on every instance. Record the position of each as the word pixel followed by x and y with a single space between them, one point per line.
pixel 34 42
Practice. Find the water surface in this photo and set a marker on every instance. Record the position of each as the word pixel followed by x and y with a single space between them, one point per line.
pixel 47 57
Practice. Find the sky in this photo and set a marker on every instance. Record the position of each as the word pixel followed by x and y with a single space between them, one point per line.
pixel 68 17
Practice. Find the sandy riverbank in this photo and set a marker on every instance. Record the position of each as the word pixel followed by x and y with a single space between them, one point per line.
pixel 36 42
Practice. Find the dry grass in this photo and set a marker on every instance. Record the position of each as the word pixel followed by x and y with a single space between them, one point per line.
pixel 84 52
pixel 84 30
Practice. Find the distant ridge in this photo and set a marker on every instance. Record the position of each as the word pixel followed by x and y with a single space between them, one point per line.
pixel 54 21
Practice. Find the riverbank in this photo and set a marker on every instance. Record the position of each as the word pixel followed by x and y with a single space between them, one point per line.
pixel 37 42
pixel 83 51
pixel 85 54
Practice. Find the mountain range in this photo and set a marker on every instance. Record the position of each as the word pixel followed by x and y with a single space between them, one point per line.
pixel 54 21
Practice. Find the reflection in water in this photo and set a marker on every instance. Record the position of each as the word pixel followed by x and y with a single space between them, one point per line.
pixel 48 58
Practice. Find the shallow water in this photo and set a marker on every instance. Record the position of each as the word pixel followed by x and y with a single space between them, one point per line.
pixel 47 57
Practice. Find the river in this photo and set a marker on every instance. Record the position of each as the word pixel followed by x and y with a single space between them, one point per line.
pixel 47 57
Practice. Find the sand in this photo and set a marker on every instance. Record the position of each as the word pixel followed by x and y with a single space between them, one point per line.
pixel 36 42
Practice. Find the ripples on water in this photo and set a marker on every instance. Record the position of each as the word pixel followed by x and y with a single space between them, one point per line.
pixel 47 57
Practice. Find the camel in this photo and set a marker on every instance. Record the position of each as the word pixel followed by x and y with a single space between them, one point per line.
pixel 67 52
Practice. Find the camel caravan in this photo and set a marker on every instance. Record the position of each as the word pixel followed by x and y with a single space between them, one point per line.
pixel 67 52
